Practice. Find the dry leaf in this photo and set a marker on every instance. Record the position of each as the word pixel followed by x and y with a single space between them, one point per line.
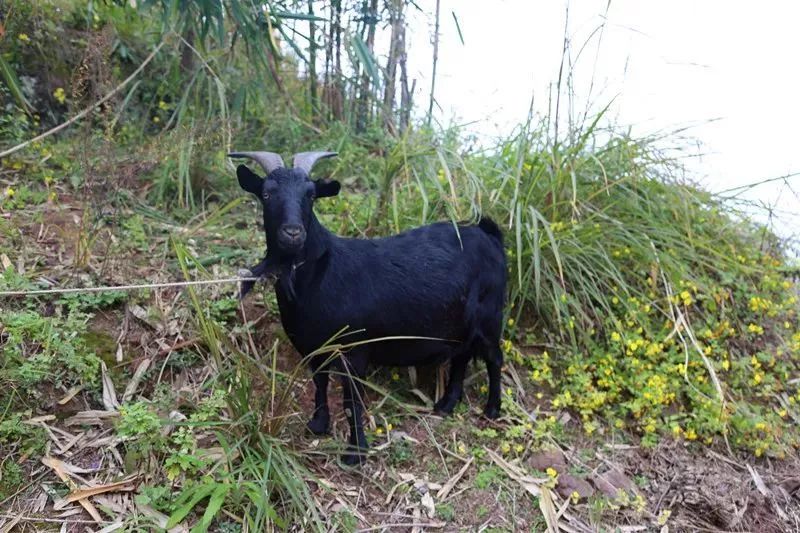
pixel 451 483
pixel 427 503
pixel 133 384
pixel 70 394
pixel 109 393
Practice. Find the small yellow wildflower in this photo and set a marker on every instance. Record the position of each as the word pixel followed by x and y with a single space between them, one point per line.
pixel 484 389
pixel 156 120
pixel 389 427
pixel 726 364
pixel 10 192
pixel 755 328
pixel 691 434
pixel 379 431
pixel 510 322
pixel 24 38
pixel 575 497
pixel 395 376
pixel 60 95
pixel 616 337
pixel 686 297
pixel 552 472
pixel 163 105
pixel 519 448
pixel 505 448
pixel 462 449
pixel 663 516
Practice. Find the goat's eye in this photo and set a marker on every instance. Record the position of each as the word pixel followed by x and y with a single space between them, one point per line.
pixel 265 196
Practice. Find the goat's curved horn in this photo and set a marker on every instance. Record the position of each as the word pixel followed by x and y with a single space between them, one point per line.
pixel 269 161
pixel 306 160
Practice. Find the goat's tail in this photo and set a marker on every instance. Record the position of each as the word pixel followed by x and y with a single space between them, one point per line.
pixel 491 228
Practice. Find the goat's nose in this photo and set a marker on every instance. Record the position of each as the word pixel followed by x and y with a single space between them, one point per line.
pixel 292 232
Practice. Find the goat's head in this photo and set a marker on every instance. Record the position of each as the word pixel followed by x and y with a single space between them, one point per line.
pixel 287 195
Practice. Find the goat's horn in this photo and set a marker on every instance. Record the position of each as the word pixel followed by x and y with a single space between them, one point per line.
pixel 269 161
pixel 306 160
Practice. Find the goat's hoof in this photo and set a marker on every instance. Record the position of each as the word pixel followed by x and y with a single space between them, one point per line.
pixel 318 426
pixel 492 412
pixel 445 406
pixel 355 458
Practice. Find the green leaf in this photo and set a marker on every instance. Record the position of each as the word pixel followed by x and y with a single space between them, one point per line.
pixel 10 77
pixel 297 16
pixel 192 496
pixel 214 505
pixel 366 58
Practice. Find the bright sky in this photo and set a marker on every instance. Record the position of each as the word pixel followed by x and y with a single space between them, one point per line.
pixel 666 64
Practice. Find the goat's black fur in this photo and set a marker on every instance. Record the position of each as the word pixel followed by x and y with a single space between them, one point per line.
pixel 436 281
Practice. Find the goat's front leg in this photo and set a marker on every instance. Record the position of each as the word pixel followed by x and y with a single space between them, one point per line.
pixel 268 266
pixel 353 373
pixel 321 418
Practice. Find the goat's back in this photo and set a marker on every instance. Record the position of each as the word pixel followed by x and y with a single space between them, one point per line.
pixel 430 281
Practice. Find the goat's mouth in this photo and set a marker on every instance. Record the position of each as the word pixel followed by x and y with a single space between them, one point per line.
pixel 291 245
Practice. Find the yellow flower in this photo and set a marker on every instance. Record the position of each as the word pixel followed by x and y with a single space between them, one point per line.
pixel 395 376
pixel 510 322
pixel 663 516
pixel 484 389
pixel 755 328
pixel 575 497
pixel 519 448
pixel 389 427
pixel 505 448
pixel 156 120
pixel 10 192
pixel 163 105
pixel 616 337
pixel 24 38
pixel 686 296
pixel 379 431
pixel 60 95
pixel 552 472
pixel 462 449
pixel 691 434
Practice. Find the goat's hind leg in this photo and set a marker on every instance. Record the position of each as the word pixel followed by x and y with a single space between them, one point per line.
pixel 494 362
pixel 455 385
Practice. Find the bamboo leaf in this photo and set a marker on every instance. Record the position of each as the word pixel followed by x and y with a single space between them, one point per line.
pixel 458 28
pixel 297 16
pixel 12 82
pixel 366 58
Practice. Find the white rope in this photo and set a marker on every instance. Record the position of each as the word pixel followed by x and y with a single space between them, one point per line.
pixel 126 287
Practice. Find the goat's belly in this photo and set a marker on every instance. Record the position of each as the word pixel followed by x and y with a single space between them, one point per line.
pixel 411 352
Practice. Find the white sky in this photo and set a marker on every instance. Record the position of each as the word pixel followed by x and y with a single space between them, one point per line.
pixel 666 64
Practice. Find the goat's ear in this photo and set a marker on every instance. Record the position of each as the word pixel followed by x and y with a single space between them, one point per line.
pixel 249 180
pixel 326 188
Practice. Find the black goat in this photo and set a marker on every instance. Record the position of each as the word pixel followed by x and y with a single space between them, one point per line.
pixel 434 282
